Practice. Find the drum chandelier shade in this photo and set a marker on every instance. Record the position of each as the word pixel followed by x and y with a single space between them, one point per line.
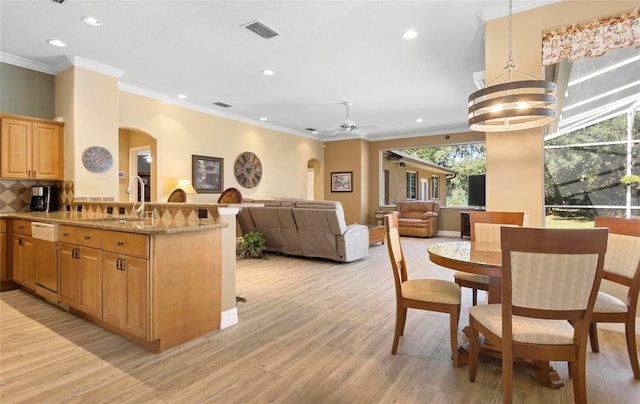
pixel 512 105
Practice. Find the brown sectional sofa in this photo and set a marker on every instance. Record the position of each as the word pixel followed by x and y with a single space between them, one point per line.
pixel 305 228
pixel 418 218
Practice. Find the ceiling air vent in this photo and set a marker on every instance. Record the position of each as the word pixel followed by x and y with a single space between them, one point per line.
pixel 221 104
pixel 259 28
pixel 58 1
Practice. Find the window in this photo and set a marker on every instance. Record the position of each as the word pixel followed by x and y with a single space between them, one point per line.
pixel 412 185
pixel 583 170
pixel 596 142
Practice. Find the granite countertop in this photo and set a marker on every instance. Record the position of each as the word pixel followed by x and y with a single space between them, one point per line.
pixel 130 224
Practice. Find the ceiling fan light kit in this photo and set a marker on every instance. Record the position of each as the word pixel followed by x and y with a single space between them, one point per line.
pixel 513 105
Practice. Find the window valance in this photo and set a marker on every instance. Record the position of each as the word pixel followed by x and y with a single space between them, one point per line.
pixel 592 39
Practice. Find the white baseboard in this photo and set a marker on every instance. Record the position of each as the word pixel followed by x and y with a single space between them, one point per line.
pixel 228 318
pixel 448 233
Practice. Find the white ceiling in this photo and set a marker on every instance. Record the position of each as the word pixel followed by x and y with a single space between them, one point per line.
pixel 326 53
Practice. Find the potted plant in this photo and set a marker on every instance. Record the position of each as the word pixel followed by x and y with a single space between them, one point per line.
pixel 252 245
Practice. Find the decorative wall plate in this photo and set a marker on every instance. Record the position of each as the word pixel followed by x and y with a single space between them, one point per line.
pixel 97 159
pixel 248 169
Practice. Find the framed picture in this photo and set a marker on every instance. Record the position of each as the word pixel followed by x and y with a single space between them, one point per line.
pixel 342 182
pixel 207 174
pixel 435 187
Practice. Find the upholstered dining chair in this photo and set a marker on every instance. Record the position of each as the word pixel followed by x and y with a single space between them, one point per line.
pixel 485 227
pixel 550 279
pixel 621 266
pixel 230 195
pixel 423 294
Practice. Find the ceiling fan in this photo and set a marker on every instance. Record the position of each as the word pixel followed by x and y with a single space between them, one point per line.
pixel 348 126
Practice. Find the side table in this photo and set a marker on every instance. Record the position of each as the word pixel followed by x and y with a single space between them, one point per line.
pixel 376 234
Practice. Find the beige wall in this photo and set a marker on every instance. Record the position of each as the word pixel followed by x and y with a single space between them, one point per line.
pixel 88 102
pixel 349 155
pixel 398 182
pixel 181 133
pixel 515 159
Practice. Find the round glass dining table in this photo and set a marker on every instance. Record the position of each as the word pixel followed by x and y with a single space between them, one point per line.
pixel 472 257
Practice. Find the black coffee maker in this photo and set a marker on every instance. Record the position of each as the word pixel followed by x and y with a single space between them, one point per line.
pixel 44 199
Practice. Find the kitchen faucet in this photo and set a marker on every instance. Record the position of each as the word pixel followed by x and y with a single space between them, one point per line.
pixel 140 209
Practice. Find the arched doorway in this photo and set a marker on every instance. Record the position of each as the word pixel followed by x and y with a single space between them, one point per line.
pixel 138 156
pixel 314 180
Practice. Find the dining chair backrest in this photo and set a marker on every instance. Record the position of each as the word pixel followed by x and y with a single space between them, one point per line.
pixel 395 251
pixel 551 273
pixel 623 252
pixel 485 225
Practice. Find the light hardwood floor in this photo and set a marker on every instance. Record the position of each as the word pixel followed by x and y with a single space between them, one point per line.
pixel 311 332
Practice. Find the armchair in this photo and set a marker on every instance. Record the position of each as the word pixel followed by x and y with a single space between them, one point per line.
pixel 418 218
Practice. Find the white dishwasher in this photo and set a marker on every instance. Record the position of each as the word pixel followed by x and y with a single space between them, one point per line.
pixel 45 243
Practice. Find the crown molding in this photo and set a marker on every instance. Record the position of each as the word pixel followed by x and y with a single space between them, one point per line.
pixel 209 111
pixel 518 7
pixel 96 67
pixel 26 63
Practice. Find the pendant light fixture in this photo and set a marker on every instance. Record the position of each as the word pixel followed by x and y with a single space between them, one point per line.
pixel 512 105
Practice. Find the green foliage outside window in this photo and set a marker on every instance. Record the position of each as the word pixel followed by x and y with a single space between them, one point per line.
pixel 586 168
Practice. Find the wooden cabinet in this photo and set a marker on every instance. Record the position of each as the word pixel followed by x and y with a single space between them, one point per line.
pixel 80 269
pixel 126 282
pixel 31 148
pixel 23 265
pixel 159 290
pixel 4 273
pixel 126 293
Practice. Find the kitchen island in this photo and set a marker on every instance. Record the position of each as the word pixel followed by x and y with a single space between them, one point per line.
pixel 155 281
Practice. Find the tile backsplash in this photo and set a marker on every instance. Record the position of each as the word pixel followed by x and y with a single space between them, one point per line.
pixel 15 195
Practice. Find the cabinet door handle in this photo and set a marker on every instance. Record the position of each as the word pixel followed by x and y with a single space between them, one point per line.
pixel 34 173
pixel 87 237
pixel 65 234
pixel 21 227
pixel 28 173
pixel 20 241
pixel 75 253
pixel 120 243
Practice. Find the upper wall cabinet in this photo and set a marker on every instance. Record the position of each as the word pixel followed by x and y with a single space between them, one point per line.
pixel 31 148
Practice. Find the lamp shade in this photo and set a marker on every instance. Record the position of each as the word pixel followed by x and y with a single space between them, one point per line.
pixel 185 185
pixel 514 105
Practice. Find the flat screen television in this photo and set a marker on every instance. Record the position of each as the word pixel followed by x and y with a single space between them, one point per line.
pixel 476 190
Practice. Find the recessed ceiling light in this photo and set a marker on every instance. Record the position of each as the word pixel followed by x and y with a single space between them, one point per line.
pixel 263 118
pixel 91 21
pixel 409 34
pixel 57 42
pixel 182 96
pixel 419 120
pixel 268 72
